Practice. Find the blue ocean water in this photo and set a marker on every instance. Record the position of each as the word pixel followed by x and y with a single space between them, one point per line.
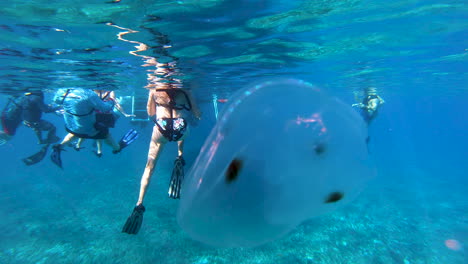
pixel 414 52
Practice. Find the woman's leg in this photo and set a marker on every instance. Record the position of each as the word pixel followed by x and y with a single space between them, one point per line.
pixel 156 145
pixel 180 148
pixel 180 143
pixel 78 143
pixel 98 147
pixel 69 137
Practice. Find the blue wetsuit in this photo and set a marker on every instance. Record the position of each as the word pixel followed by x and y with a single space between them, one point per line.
pixel 80 107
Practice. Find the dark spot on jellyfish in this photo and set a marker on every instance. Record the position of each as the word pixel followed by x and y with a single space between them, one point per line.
pixel 233 170
pixel 320 148
pixel 334 197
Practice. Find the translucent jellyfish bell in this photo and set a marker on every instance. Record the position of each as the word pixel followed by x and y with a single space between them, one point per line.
pixel 282 152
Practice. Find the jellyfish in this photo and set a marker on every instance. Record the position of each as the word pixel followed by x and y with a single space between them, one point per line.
pixel 281 152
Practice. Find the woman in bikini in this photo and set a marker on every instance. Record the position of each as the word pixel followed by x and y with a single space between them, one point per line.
pixel 169 107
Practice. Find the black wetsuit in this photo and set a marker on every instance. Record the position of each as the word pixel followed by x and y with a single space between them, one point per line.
pixel 33 106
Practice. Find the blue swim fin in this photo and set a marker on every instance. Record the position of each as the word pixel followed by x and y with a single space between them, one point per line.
pixel 126 140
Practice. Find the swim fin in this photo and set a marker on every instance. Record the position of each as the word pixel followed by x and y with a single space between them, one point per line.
pixel 134 221
pixel 56 155
pixel 126 140
pixel 37 157
pixel 176 178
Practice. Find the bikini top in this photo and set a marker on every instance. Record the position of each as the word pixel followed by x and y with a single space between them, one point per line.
pixel 172 105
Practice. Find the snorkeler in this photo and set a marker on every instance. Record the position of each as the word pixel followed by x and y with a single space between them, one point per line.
pixel 169 107
pixel 28 109
pixel 80 107
pixel 104 119
pixel 33 106
pixel 370 104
